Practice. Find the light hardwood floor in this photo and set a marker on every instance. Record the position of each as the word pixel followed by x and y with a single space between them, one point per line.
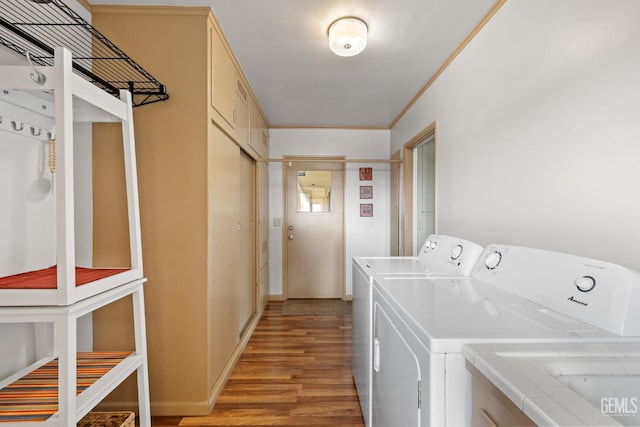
pixel 295 371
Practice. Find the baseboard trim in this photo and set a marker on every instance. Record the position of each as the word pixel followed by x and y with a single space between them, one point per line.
pixel 231 363
pixel 280 297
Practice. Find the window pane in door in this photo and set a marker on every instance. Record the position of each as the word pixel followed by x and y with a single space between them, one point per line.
pixel 314 191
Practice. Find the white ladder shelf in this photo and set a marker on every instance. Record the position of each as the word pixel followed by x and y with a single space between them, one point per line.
pixel 27 99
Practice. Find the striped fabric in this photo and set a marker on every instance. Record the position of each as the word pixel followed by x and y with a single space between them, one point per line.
pixel 47 278
pixel 34 397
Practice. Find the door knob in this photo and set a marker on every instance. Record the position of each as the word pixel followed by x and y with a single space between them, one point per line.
pixel 290 236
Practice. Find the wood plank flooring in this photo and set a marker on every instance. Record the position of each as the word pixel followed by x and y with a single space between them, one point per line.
pixel 295 371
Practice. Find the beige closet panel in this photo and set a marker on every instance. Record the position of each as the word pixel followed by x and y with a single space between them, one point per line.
pixel 263 215
pixel 246 238
pixel 223 249
pixel 172 171
pixel 201 268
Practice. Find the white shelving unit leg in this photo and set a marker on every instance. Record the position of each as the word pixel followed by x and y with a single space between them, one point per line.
pixel 65 336
pixel 141 349
pixel 65 216
pixel 131 173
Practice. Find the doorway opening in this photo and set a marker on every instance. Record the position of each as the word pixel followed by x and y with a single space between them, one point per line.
pixel 419 216
pixel 424 179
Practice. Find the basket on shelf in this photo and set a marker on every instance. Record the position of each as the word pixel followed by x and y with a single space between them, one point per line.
pixel 108 419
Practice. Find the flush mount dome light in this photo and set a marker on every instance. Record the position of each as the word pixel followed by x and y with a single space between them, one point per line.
pixel 347 36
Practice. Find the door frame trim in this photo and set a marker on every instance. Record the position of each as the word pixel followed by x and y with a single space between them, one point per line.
pixel 285 195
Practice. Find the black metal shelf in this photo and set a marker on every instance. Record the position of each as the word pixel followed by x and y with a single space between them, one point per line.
pixel 37 26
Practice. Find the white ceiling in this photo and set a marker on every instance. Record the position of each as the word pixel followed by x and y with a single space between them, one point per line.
pixel 282 48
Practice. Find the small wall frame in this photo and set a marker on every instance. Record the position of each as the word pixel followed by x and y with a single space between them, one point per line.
pixel 366 209
pixel 366 192
pixel 366 174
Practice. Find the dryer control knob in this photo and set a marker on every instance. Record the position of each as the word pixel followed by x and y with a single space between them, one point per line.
pixel 427 244
pixel 493 260
pixel 585 283
pixel 456 251
pixel 433 245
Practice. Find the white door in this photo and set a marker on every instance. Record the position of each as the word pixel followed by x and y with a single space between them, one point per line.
pixel 313 229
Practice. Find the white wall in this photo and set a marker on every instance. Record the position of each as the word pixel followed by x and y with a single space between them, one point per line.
pixel 363 236
pixel 538 122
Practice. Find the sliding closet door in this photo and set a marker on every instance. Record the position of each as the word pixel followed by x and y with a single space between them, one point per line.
pixel 246 238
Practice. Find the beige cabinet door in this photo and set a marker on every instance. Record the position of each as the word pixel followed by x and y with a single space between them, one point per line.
pixel 241 114
pixel 314 235
pixel 223 80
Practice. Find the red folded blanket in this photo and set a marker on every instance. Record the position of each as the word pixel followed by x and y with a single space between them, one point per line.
pixel 47 278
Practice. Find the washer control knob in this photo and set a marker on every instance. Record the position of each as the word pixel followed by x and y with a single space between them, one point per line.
pixel 427 244
pixel 434 244
pixel 585 283
pixel 493 260
pixel 456 251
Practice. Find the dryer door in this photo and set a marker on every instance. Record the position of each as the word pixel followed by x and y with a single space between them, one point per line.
pixel 396 375
pixel 361 342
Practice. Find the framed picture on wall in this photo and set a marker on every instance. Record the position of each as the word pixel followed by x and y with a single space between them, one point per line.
pixel 366 209
pixel 366 174
pixel 366 192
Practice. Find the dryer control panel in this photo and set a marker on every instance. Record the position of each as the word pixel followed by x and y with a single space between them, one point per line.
pixel 451 254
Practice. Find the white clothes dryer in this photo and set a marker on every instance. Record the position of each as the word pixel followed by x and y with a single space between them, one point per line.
pixel 440 256
pixel 515 295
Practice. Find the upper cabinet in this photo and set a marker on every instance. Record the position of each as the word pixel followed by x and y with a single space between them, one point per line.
pixel 258 132
pixel 223 79
pixel 241 113
pixel 235 110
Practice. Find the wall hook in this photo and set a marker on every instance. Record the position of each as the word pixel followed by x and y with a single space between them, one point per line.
pixel 38 77
pixel 34 133
pixel 14 124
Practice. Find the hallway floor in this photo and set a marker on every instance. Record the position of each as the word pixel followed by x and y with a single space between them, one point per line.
pixel 295 371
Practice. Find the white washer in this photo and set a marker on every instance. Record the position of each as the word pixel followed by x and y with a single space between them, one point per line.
pixel 440 256
pixel 420 325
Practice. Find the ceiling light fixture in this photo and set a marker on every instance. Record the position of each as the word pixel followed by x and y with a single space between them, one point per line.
pixel 347 36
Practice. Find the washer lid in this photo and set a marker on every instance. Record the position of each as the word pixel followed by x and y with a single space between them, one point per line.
pixel 402 266
pixel 449 312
